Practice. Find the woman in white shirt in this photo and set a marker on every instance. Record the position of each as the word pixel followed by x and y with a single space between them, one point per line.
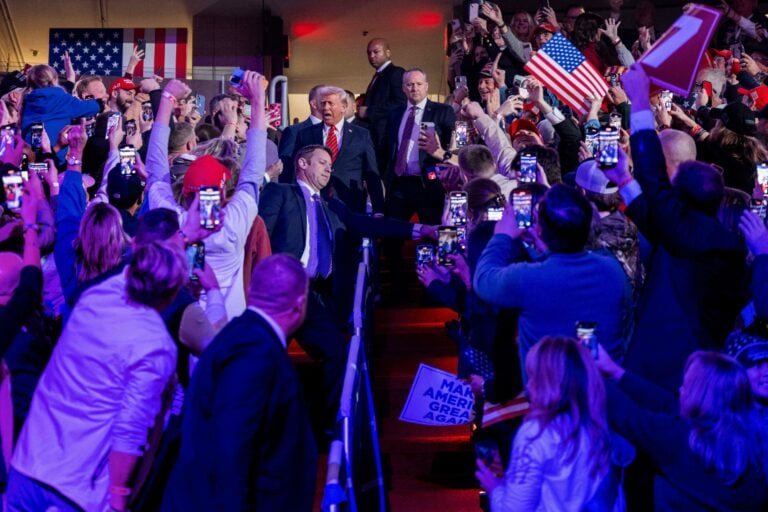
pixel 561 453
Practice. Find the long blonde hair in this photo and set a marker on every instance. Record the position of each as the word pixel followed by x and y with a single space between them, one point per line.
pixel 100 242
pixel 567 394
pixel 726 432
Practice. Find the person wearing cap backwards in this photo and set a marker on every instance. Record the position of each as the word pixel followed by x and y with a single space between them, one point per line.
pixel 224 249
pixel 121 94
pixel 50 104
pixel 611 230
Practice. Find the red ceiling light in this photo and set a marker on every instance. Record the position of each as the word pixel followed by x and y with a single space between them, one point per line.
pixel 305 28
pixel 426 19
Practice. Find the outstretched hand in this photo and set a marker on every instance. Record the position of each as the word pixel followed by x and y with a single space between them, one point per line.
pixel 755 232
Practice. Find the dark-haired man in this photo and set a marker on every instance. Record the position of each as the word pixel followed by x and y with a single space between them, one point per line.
pixel 568 286
pixel 121 94
pixel 384 92
pixel 301 222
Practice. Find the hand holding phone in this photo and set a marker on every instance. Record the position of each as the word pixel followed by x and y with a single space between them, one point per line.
pixel 458 208
pixel 425 255
pixel 210 207
pixel 447 244
pixel 585 333
pixel 528 168
pixel 609 148
pixel 36 134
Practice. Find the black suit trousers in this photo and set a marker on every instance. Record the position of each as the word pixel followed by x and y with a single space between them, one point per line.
pixel 322 339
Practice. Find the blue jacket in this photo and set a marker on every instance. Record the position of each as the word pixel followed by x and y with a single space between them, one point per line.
pixel 56 108
pixel 553 294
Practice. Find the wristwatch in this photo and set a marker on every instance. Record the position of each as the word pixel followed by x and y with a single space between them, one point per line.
pixel 447 156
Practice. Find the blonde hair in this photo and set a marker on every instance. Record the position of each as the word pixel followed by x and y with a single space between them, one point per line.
pixel 156 273
pixel 726 432
pixel 567 394
pixel 100 242
pixel 42 75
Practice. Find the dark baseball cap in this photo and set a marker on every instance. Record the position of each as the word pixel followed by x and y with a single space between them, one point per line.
pixel 12 81
pixel 738 118
pixel 748 349
pixel 123 190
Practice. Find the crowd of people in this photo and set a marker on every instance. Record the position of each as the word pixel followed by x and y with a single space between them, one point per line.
pixel 158 256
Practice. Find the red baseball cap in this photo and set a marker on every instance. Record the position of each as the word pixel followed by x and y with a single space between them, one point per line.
pixel 759 95
pixel 122 83
pixel 545 27
pixel 205 171
pixel 519 125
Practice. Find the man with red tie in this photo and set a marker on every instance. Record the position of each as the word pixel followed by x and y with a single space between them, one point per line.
pixel 354 159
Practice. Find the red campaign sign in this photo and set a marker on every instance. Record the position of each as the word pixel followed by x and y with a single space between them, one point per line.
pixel 673 61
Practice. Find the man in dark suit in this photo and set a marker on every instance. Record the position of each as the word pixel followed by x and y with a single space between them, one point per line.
pixel 411 187
pixel 300 222
pixel 353 156
pixel 287 146
pixel 384 92
pixel 696 282
pixel 246 437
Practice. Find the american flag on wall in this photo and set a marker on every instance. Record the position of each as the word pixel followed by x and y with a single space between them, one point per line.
pixel 105 51
pixel 564 70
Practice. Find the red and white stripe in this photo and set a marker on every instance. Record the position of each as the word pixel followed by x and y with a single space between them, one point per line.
pixel 166 51
pixel 495 413
pixel 571 88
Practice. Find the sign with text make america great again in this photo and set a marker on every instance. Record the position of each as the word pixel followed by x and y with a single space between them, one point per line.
pixel 674 59
pixel 105 51
pixel 439 399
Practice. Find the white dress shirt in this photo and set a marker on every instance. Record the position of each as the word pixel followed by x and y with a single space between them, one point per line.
pixel 412 156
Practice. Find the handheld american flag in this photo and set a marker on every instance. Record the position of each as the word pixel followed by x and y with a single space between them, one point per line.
pixel 564 70
pixel 96 51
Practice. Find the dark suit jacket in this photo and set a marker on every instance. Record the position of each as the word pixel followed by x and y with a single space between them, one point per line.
pixel 246 443
pixel 385 94
pixel 438 113
pixel 355 163
pixel 285 214
pixel 696 283
pixel 287 148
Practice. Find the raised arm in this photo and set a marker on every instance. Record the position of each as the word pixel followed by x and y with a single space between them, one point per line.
pixel 159 190
pixel 255 161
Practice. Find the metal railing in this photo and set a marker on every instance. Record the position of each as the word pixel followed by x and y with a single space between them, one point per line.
pixel 355 479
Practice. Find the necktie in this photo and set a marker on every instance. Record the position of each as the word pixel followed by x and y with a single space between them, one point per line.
pixel 401 164
pixel 323 238
pixel 373 81
pixel 332 142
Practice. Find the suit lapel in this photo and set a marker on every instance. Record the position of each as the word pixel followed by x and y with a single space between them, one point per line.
pixel 346 139
pixel 317 136
pixel 429 113
pixel 296 188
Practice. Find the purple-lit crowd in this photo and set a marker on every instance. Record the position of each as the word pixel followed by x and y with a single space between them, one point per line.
pixel 158 256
